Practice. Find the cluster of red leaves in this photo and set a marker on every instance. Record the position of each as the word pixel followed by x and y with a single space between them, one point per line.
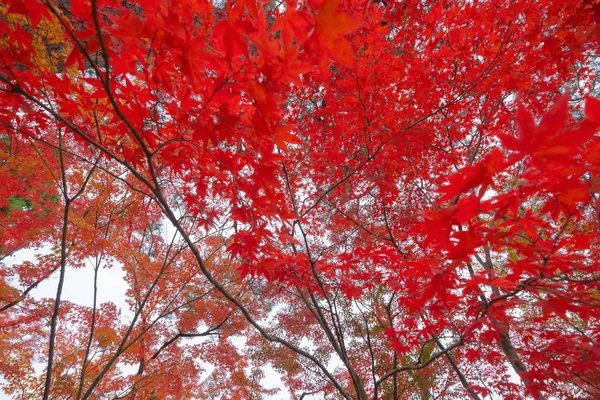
pixel 313 178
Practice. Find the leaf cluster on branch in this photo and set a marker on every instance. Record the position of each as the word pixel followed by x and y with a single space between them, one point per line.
pixel 378 199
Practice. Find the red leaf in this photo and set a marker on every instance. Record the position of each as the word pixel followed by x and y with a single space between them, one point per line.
pixel 555 119
pixel 592 110
pixel 503 283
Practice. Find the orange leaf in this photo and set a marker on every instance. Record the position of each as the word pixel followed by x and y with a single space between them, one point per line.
pixel 331 27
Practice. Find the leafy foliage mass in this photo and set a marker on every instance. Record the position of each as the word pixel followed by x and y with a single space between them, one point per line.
pixel 376 199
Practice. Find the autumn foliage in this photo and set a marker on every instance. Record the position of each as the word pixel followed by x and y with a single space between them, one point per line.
pixel 373 199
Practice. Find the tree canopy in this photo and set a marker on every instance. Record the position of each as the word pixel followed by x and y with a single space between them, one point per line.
pixel 379 199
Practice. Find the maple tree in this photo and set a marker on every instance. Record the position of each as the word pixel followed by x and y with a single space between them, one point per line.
pixel 380 199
